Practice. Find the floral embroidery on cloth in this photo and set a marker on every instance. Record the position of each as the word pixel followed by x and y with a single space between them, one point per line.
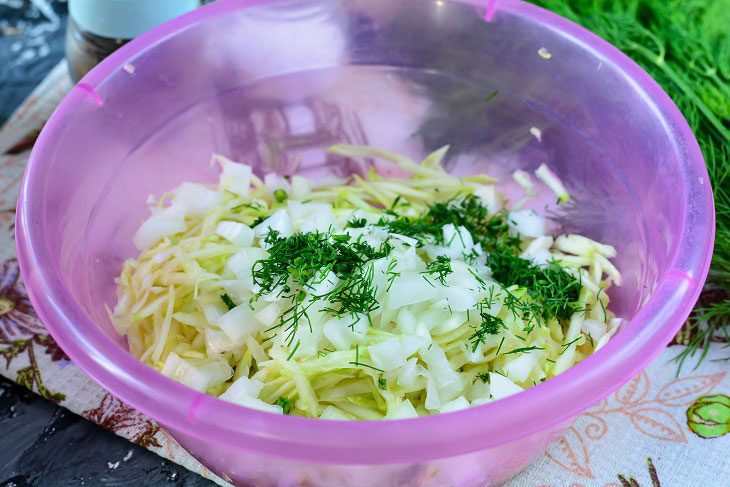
pixel 709 416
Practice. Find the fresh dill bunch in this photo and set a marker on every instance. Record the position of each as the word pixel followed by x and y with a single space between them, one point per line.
pixel 685 46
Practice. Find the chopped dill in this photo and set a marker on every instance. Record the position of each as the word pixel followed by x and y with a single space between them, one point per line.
pixel 285 403
pixel 258 220
pixel 567 345
pixel 280 195
pixel 490 325
pixel 485 378
pixel 390 272
pixel 441 267
pixel 357 362
pixel 383 384
pixel 228 301
pixel 294 350
pixel 603 307
pixel 491 231
pixel 357 223
pixel 491 95
pixel 552 287
pixel 523 350
pixel 323 353
pixel 306 259
pixel 500 346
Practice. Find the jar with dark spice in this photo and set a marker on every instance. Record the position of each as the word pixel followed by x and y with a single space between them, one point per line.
pixel 96 28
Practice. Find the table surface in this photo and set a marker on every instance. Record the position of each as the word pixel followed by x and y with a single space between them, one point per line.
pixel 42 444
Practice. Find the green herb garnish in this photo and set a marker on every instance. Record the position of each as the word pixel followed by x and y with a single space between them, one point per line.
pixel 441 267
pixel 280 195
pixel 523 350
pixel 286 404
pixel 549 285
pixel 228 301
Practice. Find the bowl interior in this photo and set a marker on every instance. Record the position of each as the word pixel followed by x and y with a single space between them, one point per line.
pixel 247 86
pixel 275 83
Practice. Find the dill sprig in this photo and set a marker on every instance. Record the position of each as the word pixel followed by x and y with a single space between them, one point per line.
pixel 685 46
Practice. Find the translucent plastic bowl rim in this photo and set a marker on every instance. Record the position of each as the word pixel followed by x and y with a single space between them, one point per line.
pixel 320 441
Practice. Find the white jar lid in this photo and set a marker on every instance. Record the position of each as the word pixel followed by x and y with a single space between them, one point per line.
pixel 125 19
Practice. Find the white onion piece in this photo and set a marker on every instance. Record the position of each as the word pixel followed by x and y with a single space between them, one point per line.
pixel 236 233
pixel 197 199
pixel 198 377
pixel 268 315
pixel 334 413
pixel 501 387
pixel 239 322
pixel 490 198
pixel 217 341
pixel 165 223
pixel 410 288
pixel 456 405
pixel 279 222
pixel 300 187
pixel 404 410
pixel 594 328
pixel 387 355
pixel 519 369
pixel 236 177
pixel 527 223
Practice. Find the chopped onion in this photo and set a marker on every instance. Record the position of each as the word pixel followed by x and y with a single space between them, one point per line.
pixel 387 355
pixel 236 233
pixel 236 177
pixel 520 368
pixel 501 387
pixel 456 405
pixel 239 323
pixel 279 222
pixel 163 224
pixel 404 410
pixel 528 223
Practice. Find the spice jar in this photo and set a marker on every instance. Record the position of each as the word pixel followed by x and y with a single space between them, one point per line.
pixel 96 28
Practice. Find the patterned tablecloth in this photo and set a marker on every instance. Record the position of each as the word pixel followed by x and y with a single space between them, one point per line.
pixel 658 429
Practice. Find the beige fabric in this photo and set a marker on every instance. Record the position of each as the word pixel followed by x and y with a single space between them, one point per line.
pixel 607 446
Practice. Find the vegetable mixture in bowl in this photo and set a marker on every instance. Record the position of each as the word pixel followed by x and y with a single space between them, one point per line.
pixel 374 298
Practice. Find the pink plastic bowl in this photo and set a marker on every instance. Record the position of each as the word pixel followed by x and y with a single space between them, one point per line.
pixel 273 84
